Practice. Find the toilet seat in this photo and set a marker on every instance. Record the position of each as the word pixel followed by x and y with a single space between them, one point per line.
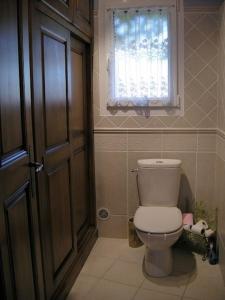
pixel 158 220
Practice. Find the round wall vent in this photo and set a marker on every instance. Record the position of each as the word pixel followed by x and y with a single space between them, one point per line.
pixel 103 213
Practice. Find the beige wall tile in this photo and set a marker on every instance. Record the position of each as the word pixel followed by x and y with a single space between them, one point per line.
pixel 207 77
pixel 114 227
pixel 201 53
pixel 111 174
pixel 187 186
pixel 220 145
pixel 144 142
pixel 206 179
pixel 188 164
pixel 110 142
pixel 179 142
pixel 207 142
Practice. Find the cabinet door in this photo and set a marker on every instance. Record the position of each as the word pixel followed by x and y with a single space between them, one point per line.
pixel 62 7
pixel 80 129
pixel 82 15
pixel 52 123
pixel 20 263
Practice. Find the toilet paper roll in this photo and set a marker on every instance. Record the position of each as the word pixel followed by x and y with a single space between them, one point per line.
pixel 198 229
pixel 208 233
pixel 202 223
pixel 187 227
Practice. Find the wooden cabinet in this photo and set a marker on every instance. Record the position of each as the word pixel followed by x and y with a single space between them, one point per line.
pixel 20 257
pixel 82 15
pixel 62 7
pixel 77 12
pixel 47 194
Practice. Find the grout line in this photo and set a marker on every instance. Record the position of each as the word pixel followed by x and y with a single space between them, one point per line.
pixel 196 169
pixel 161 151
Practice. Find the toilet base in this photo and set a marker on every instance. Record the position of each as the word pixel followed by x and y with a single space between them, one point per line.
pixel 158 263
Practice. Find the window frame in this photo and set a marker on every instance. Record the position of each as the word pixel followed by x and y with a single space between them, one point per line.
pixel 105 29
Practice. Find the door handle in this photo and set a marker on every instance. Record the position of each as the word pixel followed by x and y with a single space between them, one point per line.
pixel 38 167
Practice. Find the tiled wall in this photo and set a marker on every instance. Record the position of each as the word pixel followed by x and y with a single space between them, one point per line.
pixel 194 138
pixel 117 154
pixel 201 80
pixel 220 149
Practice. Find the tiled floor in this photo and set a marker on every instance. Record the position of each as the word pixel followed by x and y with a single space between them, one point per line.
pixel 113 271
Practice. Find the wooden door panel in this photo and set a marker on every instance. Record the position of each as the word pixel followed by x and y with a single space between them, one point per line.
pixel 60 210
pixel 62 7
pixel 80 130
pixel 55 90
pixel 17 214
pixel 11 94
pixel 20 261
pixel 78 93
pixel 77 64
pixel 13 176
pixel 11 123
pixel 81 190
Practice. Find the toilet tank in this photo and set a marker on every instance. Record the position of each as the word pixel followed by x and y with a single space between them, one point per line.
pixel 159 181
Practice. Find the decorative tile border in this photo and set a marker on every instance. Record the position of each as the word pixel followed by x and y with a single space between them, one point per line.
pixel 157 130
pixel 202 5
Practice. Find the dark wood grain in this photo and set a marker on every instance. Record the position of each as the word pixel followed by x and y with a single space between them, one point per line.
pixel 21 265
pixel 51 102
pixel 82 15
pixel 62 7
pixel 47 219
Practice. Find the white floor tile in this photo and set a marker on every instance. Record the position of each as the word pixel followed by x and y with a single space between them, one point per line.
pixel 97 266
pixel 114 271
pixel 82 286
pixel 126 273
pixel 108 290
pixel 109 247
pixel 143 294
pixel 205 286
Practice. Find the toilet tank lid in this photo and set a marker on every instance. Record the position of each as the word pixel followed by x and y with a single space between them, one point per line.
pixel 159 163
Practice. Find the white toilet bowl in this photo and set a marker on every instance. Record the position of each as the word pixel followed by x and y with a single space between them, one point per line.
pixel 158 221
pixel 158 228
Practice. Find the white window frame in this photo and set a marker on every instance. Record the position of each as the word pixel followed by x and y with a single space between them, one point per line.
pixel 104 43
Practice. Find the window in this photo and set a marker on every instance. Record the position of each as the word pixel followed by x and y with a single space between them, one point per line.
pixel 143 54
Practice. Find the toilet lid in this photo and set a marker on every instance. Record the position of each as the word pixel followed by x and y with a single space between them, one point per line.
pixel 158 219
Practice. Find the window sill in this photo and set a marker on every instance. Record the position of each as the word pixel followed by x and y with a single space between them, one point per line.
pixel 145 111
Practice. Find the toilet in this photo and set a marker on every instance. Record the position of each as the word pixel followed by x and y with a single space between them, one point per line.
pixel 158 221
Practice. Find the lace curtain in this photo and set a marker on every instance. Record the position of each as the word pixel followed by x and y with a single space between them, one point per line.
pixel 139 62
